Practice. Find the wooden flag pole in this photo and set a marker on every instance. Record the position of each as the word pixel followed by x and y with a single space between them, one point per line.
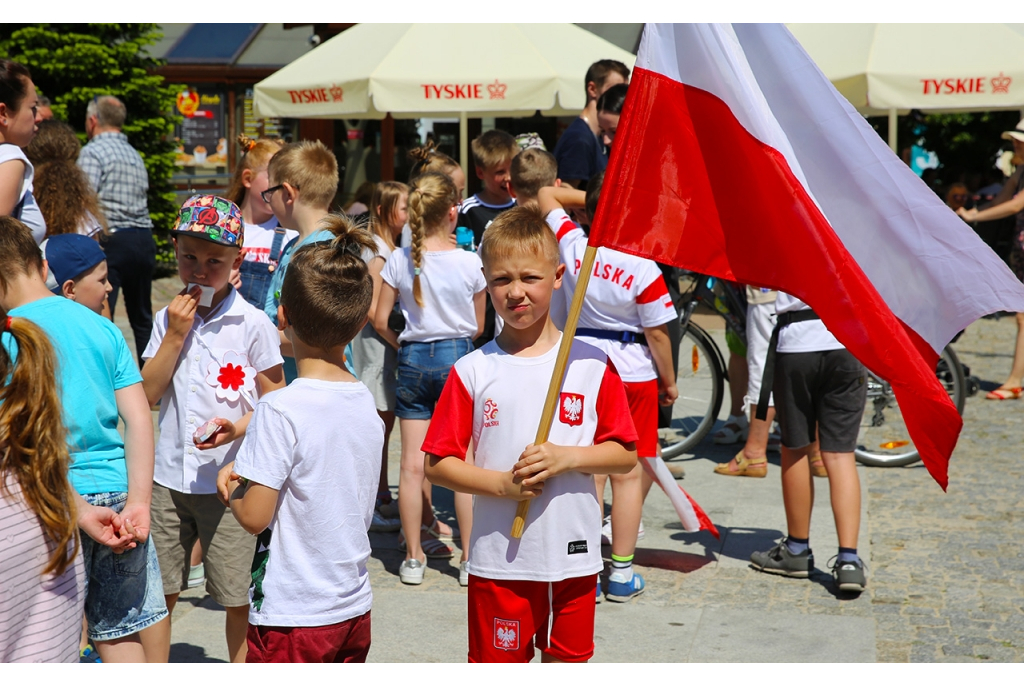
pixel 558 375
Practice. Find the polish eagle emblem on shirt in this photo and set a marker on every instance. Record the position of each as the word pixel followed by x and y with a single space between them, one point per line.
pixel 570 407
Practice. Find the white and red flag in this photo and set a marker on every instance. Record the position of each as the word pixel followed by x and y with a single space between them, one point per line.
pixel 736 157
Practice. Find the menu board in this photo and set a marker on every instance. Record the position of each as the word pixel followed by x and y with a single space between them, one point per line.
pixel 201 135
pixel 271 127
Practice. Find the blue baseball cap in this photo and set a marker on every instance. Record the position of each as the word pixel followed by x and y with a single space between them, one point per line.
pixel 69 255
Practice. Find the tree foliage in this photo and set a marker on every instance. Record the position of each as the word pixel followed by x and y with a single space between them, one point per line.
pixel 72 63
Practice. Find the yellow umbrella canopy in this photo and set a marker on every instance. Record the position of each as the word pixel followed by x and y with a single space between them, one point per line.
pixel 884 67
pixel 438 70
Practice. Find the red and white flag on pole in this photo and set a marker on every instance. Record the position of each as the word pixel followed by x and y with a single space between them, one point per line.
pixel 736 157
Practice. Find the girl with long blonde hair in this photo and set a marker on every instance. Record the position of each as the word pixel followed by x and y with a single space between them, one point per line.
pixel 441 291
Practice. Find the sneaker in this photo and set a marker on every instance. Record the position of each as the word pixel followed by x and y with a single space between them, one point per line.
pixel 624 590
pixel 606 531
pixel 781 561
pixel 196 575
pixel 849 575
pixel 463 574
pixel 411 571
pixel 381 524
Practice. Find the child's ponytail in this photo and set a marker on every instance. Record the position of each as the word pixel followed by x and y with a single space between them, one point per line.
pixel 255 155
pixel 432 195
pixel 327 289
pixel 34 440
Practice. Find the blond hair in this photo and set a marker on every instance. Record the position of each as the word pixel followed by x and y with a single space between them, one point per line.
pixel 327 289
pixel 386 196
pixel 520 231
pixel 429 158
pixel 432 195
pixel 532 169
pixel 256 154
pixel 309 167
pixel 492 148
pixel 32 434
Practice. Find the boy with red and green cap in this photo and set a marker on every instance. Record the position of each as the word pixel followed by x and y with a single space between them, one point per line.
pixel 211 355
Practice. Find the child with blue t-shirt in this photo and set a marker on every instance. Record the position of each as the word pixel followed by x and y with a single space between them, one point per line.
pixel 99 384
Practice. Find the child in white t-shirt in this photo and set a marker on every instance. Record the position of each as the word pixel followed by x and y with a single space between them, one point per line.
pixel 306 486
pixel 538 589
pixel 624 314
pixel 441 292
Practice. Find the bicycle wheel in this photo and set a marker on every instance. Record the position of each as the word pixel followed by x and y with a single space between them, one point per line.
pixel 700 380
pixel 883 438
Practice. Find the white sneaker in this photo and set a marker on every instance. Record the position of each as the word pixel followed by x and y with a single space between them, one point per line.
pixel 463 574
pixel 606 531
pixel 196 575
pixel 411 571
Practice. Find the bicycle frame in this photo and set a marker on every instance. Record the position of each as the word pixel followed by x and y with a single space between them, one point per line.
pixel 731 308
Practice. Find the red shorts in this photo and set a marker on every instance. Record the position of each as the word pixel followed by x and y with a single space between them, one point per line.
pixel 345 642
pixel 643 406
pixel 507 616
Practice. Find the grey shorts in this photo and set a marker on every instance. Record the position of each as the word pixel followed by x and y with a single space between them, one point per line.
pixel 376 363
pixel 179 519
pixel 819 395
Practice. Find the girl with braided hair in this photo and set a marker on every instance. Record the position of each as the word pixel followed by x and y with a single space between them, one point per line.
pixel 440 289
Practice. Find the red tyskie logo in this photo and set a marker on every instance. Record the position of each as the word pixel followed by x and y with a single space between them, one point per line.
pixel 506 634
pixel 570 408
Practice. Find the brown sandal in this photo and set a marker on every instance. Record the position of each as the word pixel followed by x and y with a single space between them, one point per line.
pixel 818 468
pixel 744 467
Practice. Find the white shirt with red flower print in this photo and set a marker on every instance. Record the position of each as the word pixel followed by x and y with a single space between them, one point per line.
pixel 215 378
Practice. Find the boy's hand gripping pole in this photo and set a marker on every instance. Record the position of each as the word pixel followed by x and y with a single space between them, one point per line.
pixel 558 375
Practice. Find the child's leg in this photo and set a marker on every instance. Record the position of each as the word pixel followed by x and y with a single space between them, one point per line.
pixel 844 488
pixel 388 417
pixel 627 510
pixel 235 625
pixel 797 491
pixel 411 481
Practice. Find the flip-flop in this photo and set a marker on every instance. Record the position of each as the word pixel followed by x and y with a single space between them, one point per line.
pixel 1005 394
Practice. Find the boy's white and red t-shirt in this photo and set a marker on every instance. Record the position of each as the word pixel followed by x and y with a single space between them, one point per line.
pixel 626 293
pixel 259 239
pixel 494 400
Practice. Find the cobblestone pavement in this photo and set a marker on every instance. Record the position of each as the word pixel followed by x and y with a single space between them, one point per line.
pixel 946 570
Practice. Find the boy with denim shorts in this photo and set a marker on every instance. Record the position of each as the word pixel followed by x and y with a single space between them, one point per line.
pixel 211 354
pixel 100 384
pixel 539 589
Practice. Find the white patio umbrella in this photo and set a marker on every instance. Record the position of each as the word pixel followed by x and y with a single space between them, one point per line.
pixel 891 68
pixel 439 70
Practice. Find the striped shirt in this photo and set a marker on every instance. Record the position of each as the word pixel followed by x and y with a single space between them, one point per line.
pixel 119 176
pixel 40 616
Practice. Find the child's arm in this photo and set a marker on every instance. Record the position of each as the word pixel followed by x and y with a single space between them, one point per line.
pixel 457 475
pixel 375 266
pixel 480 305
pixel 252 504
pixel 270 380
pixel 660 346
pixel 158 371
pixel 551 198
pixel 138 455
pixel 540 462
pixel 385 303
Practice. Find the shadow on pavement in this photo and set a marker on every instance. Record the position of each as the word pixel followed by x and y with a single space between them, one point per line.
pixel 184 653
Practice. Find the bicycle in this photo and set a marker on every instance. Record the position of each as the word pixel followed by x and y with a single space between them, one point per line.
pixel 883 438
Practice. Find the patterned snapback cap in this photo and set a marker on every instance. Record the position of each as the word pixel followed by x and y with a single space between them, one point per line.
pixel 211 218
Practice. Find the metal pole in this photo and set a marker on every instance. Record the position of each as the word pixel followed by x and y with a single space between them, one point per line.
pixel 893 118
pixel 464 143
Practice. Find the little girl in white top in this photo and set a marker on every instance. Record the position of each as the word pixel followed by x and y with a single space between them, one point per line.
pixel 441 291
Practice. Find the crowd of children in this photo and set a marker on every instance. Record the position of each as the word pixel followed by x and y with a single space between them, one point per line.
pixel 289 313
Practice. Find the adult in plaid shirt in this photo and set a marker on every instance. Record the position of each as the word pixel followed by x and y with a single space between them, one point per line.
pixel 119 176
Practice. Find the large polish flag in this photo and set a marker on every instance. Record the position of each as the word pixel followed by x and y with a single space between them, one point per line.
pixel 735 156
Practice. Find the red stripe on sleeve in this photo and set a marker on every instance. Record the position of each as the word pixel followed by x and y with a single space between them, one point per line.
pixel 564 228
pixel 614 420
pixel 654 292
pixel 451 427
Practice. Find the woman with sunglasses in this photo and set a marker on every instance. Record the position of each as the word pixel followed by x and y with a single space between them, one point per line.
pixel 19 119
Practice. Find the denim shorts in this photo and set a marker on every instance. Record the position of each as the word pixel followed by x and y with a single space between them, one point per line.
pixel 423 369
pixel 124 592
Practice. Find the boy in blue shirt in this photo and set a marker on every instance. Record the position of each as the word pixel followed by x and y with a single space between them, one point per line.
pixel 113 476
